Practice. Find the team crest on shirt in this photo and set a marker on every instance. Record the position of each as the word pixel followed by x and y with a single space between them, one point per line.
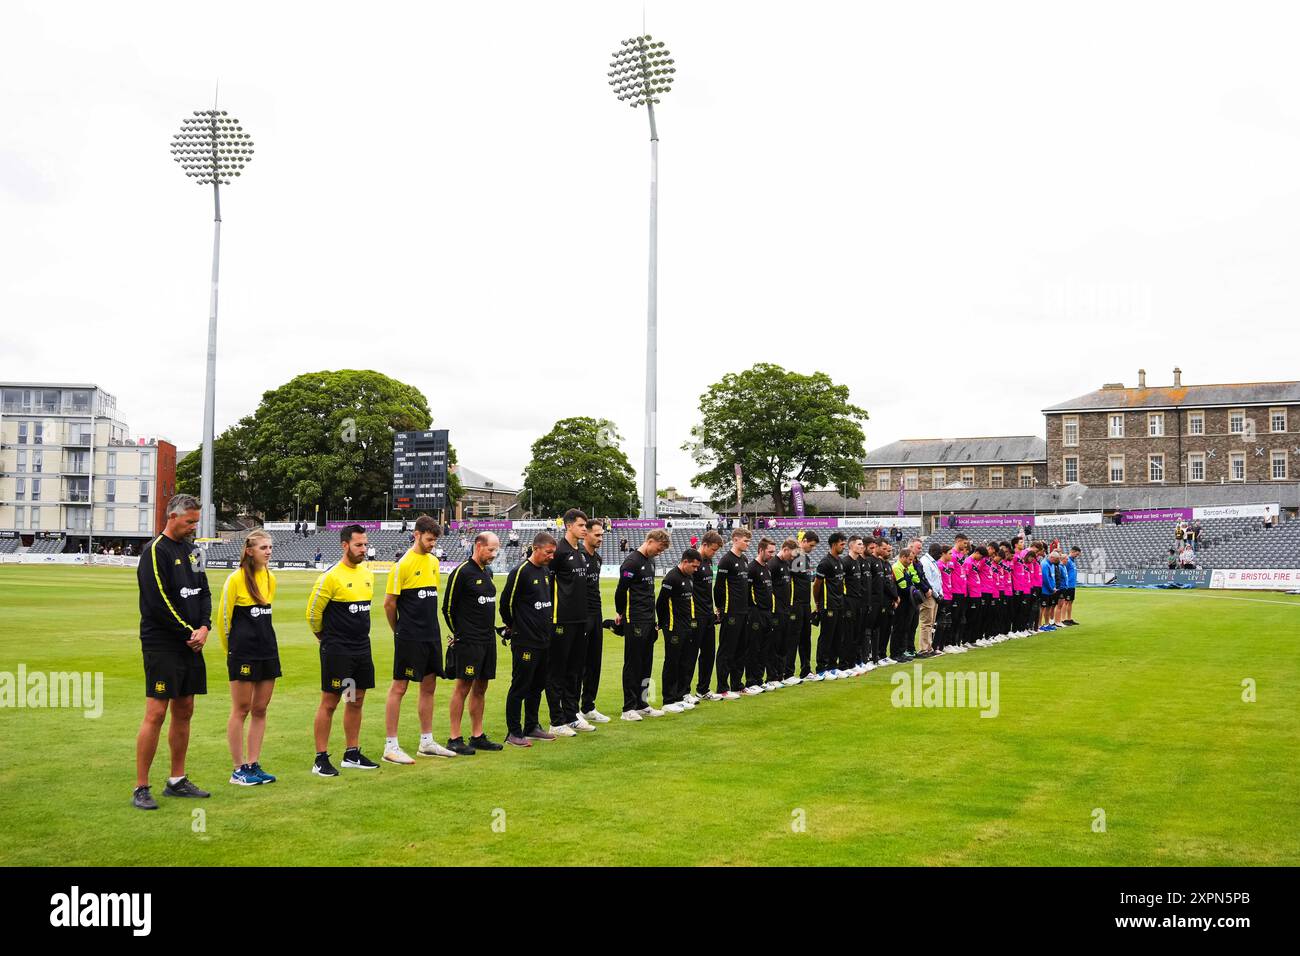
pixel 559 629
pixel 194 560
pixel 478 580
pixel 246 669
pixel 410 672
pixel 178 560
pixel 469 670
pixel 160 687
pixel 336 682
pixel 528 655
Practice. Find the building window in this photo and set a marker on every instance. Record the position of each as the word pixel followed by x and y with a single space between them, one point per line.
pixel 36 517
pixel 1196 466
pixel 38 462
pixel 1236 421
pixel 909 479
pixel 144 492
pixel 110 492
pixel 38 437
pixel 1156 468
pixel 22 461
pixel 938 478
pixel 1156 425
pixel 1196 423
pixel 20 489
pixel 968 476
pixel 22 433
pixel 995 477
pixel 1237 466
pixel 1070 468
pixel 20 516
pixel 1070 431
pixel 112 463
pixel 36 489
pixel 1115 466
pixel 1277 419
pixel 1026 477
pixel 882 480
pixel 1278 464
pixel 1117 426
pixel 108 518
pixel 144 520
pixel 146 463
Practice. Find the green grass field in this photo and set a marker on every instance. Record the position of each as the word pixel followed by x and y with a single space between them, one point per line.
pixel 1138 713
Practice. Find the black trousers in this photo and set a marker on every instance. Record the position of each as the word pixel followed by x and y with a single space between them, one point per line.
pixel 676 673
pixel 800 643
pixel 828 639
pixel 584 665
pixel 560 698
pixel 527 681
pixel 942 624
pixel 783 647
pixel 957 634
pixel 760 634
pixel 638 663
pixel 884 624
pixel 730 660
pixel 707 649
pixel 852 652
pixel 844 639
pixel 904 626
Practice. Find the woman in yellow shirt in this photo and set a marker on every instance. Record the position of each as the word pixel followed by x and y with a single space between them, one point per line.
pixel 252 655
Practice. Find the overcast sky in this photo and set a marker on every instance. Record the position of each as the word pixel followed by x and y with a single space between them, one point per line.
pixel 966 212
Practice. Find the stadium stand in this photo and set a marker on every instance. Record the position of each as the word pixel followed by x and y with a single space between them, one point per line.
pixel 10 545
pixel 47 546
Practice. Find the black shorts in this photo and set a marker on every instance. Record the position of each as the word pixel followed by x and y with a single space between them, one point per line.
pixel 472 660
pixel 238 669
pixel 172 674
pixel 416 660
pixel 336 670
pixel 1049 600
pixel 1067 594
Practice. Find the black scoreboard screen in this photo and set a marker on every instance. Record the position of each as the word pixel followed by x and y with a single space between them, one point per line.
pixel 420 470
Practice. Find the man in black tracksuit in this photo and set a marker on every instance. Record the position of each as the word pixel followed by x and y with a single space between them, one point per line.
pixel 802 573
pixel 585 657
pixel 569 574
pixel 828 592
pixel 528 612
pixel 890 605
pixel 676 614
pixel 706 640
pixel 855 608
pixel 634 607
pixel 786 619
pixel 731 598
pixel 761 620
pixel 875 598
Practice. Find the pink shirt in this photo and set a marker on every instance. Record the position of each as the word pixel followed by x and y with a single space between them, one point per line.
pixel 958 574
pixel 974 587
pixel 1035 571
pixel 1019 574
pixel 988 582
pixel 946 571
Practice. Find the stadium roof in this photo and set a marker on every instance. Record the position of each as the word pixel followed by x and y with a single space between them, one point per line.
pixel 471 479
pixel 916 452
pixel 1183 396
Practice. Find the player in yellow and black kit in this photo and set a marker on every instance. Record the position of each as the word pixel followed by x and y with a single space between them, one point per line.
pixel 175 617
pixel 528 611
pixel 252 655
pixel 338 613
pixel 469 609
pixel 676 613
pixel 411 606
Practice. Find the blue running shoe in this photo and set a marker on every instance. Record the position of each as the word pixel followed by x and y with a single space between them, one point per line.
pixel 245 776
pixel 266 777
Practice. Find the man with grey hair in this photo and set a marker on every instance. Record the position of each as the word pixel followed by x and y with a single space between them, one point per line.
pixel 175 617
pixel 470 613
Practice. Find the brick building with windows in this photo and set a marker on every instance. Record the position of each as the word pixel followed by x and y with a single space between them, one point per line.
pixel 929 464
pixel 1175 434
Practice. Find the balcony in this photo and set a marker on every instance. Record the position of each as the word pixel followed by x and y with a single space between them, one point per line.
pixel 75 468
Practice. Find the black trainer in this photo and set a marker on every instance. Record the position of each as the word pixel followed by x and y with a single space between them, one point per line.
pixel 142 799
pixel 481 742
pixel 323 768
pixel 354 759
pixel 458 746
pixel 183 788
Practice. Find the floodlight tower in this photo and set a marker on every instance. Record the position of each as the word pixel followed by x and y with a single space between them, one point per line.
pixel 211 147
pixel 642 70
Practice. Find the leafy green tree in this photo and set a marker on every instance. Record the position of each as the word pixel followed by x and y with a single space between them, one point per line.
pixel 579 464
pixel 320 436
pixel 780 426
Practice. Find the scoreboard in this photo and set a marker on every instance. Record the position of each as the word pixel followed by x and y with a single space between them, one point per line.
pixel 420 470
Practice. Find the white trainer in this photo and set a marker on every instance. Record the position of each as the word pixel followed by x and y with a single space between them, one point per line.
pixel 731 695
pixel 596 717
pixel 396 755
pixel 791 681
pixel 629 715
pixel 582 726
pixel 563 730
pixel 650 712
pixel 435 750
pixel 675 708
pixel 753 690
pixel 686 704
pixel 773 685
pixel 814 677
pixel 711 695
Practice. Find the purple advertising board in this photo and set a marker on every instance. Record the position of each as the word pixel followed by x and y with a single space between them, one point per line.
pixel 484 525
pixel 796 498
pixel 994 521
pixel 802 522
pixel 1157 514
pixel 637 523
pixel 368 525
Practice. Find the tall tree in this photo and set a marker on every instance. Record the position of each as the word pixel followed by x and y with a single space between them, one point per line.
pixel 579 464
pixel 780 426
pixel 320 436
